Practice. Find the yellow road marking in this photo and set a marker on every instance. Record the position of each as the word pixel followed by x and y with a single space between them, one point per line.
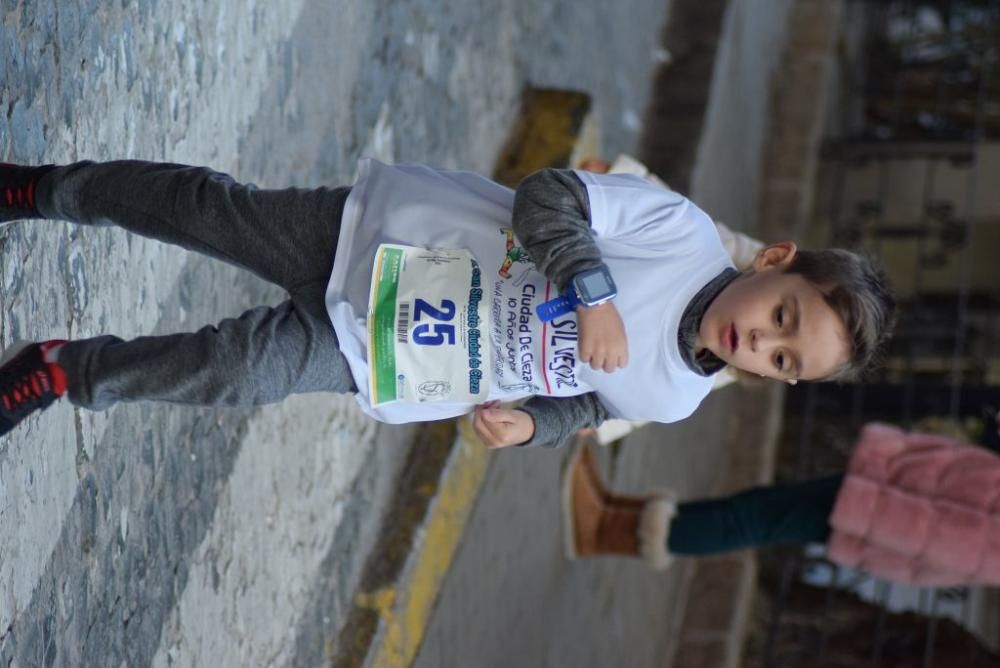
pixel 407 613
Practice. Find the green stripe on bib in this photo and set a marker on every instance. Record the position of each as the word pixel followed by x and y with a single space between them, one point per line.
pixel 382 325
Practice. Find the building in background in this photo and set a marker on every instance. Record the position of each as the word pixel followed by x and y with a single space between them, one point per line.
pixel 908 172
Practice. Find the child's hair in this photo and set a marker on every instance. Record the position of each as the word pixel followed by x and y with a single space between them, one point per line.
pixel 858 291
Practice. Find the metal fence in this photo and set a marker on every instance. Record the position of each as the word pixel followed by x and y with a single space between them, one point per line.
pixel 927 103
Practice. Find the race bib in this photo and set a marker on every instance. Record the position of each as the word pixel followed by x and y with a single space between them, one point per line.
pixel 426 326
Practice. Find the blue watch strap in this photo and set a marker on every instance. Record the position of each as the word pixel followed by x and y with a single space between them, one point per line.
pixel 561 305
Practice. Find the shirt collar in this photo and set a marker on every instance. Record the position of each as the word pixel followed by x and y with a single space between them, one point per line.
pixel 707 363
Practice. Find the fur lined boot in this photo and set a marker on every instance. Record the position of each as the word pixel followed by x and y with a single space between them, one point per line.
pixel 599 523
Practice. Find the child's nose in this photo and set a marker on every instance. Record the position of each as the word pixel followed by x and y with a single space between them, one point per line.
pixel 761 340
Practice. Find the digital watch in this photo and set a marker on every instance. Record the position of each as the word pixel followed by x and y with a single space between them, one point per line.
pixel 588 288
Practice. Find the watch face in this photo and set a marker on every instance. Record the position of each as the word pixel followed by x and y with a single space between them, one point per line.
pixel 594 286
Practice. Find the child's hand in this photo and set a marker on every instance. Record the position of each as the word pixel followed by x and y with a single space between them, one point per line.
pixel 501 427
pixel 595 165
pixel 603 344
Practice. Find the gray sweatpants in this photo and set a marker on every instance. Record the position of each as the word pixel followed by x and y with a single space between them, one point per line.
pixel 286 236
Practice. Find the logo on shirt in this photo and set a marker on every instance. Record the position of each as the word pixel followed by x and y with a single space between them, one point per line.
pixel 514 253
pixel 530 356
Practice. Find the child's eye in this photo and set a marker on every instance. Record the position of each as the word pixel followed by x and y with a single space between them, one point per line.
pixel 780 316
pixel 779 361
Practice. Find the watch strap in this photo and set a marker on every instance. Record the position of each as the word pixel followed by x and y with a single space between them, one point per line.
pixel 561 305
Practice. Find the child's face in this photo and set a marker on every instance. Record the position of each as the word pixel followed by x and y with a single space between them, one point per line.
pixel 775 324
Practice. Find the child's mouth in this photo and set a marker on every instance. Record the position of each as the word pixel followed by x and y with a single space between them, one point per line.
pixel 733 339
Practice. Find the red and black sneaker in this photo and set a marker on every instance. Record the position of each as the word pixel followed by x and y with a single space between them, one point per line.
pixel 18 186
pixel 30 381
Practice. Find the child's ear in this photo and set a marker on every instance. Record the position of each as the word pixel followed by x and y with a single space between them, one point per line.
pixel 776 255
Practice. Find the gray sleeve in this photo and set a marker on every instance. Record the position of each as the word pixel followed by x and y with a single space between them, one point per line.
pixel 557 418
pixel 551 219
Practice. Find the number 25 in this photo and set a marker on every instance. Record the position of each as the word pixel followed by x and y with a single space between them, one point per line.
pixel 421 333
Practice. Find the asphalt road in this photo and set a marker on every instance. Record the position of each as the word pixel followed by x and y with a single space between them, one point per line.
pixel 175 536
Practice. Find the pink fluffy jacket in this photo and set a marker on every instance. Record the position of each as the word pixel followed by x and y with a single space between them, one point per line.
pixel 919 509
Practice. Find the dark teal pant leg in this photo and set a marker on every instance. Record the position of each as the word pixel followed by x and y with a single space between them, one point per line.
pixel 791 513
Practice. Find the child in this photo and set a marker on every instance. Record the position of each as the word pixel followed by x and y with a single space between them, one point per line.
pixel 913 508
pixel 449 329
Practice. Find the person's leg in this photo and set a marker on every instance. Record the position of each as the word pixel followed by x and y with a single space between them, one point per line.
pixel 288 237
pixel 261 357
pixel 285 236
pixel 790 513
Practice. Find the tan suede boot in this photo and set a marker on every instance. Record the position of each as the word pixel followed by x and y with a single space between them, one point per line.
pixel 599 523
